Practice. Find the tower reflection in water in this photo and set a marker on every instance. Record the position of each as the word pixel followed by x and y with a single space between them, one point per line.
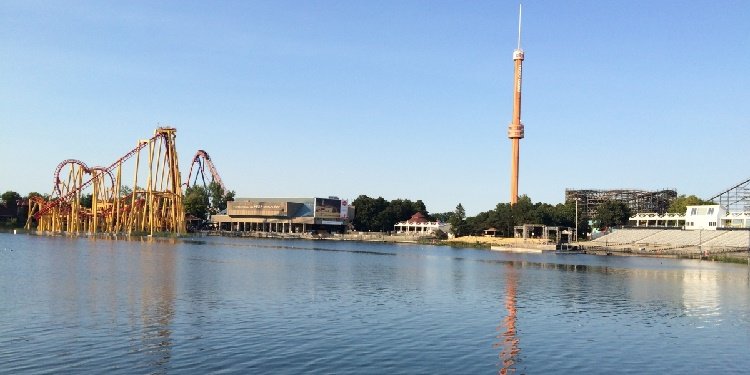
pixel 157 275
pixel 508 339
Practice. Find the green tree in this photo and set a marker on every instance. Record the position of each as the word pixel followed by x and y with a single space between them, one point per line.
pixel 125 190
pixel 477 224
pixel 443 217
pixel 419 206
pixel 501 218
pixel 219 197
pixel 458 221
pixel 33 194
pixel 10 198
pixel 401 210
pixel 367 214
pixel 87 200
pixel 229 197
pixel 524 212
pixel 379 215
pixel 611 213
pixel 679 204
pixel 440 235
pixel 566 216
pixel 196 201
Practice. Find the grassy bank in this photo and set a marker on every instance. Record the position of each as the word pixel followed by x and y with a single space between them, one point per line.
pixel 737 258
pixel 487 242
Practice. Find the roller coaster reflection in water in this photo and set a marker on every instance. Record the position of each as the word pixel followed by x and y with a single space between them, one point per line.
pixel 157 207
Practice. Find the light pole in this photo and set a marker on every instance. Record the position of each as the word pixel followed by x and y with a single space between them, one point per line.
pixel 576 234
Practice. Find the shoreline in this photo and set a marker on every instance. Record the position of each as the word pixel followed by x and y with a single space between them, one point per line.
pixel 530 245
pixel 477 242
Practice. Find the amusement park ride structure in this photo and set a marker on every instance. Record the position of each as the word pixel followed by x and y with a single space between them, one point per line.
pixel 201 159
pixel 157 207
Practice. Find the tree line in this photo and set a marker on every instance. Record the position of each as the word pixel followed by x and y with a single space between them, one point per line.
pixel 380 215
pixel 504 217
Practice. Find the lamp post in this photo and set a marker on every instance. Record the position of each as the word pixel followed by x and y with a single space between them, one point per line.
pixel 576 234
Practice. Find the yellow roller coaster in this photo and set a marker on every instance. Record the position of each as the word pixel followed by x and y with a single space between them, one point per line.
pixel 157 207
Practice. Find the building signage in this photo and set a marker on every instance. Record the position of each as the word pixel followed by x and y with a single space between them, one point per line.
pixel 259 208
pixel 344 209
pixel 327 208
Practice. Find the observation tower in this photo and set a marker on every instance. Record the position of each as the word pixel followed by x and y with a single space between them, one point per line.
pixel 515 129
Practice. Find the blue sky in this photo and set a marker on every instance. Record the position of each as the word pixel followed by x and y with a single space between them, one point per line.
pixel 400 99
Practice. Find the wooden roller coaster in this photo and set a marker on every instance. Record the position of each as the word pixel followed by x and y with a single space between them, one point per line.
pixel 156 207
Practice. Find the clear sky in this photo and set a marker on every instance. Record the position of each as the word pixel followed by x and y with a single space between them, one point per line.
pixel 400 99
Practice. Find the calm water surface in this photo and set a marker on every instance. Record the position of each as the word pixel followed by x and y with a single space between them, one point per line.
pixel 220 305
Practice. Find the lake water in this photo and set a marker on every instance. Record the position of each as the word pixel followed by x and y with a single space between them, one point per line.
pixel 224 305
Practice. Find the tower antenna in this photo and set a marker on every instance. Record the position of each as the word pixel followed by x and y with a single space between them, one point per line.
pixel 519 25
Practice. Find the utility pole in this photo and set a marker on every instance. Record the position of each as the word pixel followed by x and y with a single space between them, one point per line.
pixel 576 220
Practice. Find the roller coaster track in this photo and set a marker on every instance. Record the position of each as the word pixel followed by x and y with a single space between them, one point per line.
pixel 57 182
pixel 64 198
pixel 736 197
pixel 214 173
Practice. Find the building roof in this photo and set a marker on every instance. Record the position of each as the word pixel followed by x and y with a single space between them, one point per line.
pixel 417 218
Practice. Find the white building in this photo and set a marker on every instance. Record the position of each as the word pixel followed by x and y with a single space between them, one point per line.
pixel 735 220
pixel 706 217
pixel 418 225
pixel 651 219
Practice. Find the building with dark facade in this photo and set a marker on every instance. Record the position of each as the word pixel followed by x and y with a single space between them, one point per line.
pixel 285 215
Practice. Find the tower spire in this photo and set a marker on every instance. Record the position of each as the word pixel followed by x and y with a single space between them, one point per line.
pixel 519 25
